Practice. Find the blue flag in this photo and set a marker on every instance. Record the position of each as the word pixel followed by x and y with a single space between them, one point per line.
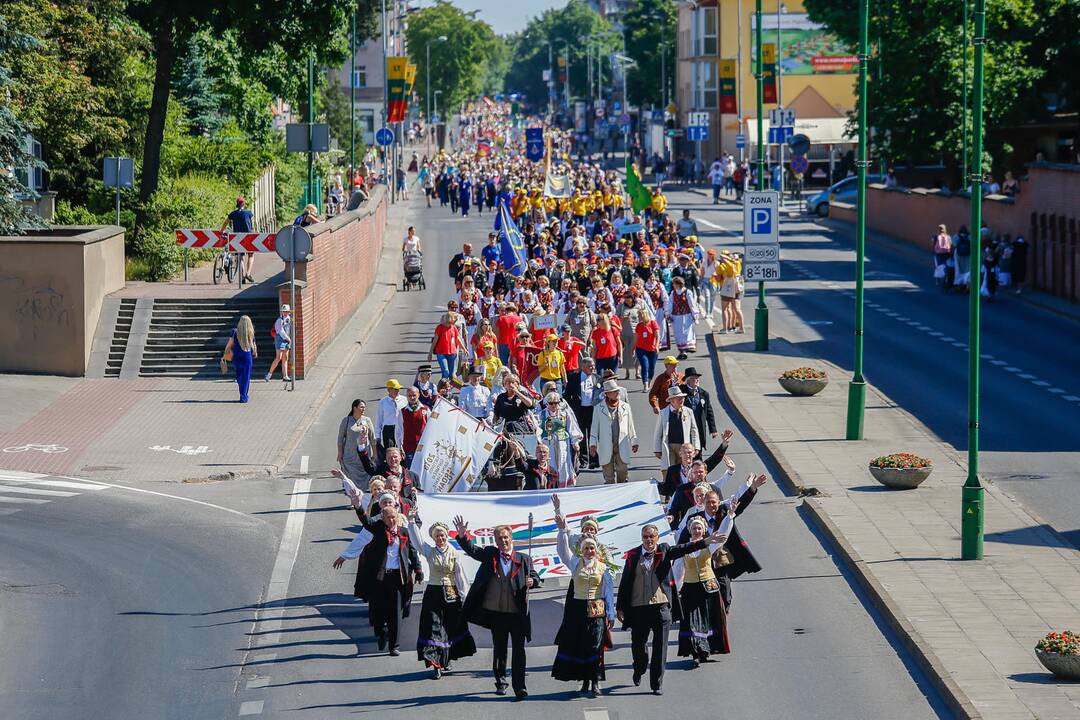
pixel 511 243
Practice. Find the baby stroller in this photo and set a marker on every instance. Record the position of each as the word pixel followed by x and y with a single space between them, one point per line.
pixel 413 266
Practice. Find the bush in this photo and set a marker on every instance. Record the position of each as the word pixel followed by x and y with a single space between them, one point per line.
pixel 191 201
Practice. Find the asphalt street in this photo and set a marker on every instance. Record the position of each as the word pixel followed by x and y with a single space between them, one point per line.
pixel 916 351
pixel 806 645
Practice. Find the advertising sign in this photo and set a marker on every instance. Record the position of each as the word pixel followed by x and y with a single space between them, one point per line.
pixel 806 47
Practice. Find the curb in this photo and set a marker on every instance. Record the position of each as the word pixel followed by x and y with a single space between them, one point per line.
pixel 951 693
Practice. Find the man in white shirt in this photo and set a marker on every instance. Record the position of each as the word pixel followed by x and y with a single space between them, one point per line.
pixel 387 416
pixel 686 226
pixel 716 179
pixel 474 397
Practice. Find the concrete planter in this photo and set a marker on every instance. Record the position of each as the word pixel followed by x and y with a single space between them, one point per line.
pixel 1066 667
pixel 803 388
pixel 900 478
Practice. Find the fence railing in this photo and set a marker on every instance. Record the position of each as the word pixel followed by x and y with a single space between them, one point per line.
pixel 1055 250
pixel 263 201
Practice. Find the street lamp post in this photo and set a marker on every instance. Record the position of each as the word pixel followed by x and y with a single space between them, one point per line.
pixel 352 97
pixel 964 102
pixel 551 79
pixel 435 97
pixel 761 312
pixel 566 76
pixel 857 388
pixel 971 518
pixel 427 73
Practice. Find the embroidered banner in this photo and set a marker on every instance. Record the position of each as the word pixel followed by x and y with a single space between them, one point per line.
pixel 452 450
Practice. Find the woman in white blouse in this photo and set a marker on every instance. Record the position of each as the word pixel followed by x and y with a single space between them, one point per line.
pixel 703 630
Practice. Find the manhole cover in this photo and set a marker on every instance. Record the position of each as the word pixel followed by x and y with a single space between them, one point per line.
pixel 1027 477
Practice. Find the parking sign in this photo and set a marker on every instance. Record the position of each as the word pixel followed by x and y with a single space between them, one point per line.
pixel 760 217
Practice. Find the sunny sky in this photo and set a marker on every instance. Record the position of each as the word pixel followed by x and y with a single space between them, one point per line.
pixel 507 16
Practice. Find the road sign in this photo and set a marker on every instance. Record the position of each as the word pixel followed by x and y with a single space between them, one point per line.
pixel 761 253
pixel 434 118
pixel 800 144
pixel 384 136
pixel 599 112
pixel 675 132
pixel 624 119
pixel 252 242
pixel 672 108
pixel 697 133
pixel 127 172
pixel 782 117
pixel 697 119
pixel 761 217
pixel 616 106
pixel 758 272
pixel 740 140
pixel 780 135
pixel 293 243
pixel 799 164
pixel 201 238
pixel 296 137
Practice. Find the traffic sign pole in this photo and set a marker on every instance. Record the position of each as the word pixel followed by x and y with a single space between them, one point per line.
pixel 857 388
pixel 761 312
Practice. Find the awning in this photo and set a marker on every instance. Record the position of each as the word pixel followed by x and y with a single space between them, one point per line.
pixel 821 131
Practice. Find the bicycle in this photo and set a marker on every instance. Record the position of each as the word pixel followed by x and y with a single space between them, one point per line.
pixel 226 264
pixel 48 449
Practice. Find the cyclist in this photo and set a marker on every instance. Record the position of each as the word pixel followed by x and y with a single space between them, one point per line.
pixel 241 221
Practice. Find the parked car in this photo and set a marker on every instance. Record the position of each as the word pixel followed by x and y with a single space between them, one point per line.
pixel 843 191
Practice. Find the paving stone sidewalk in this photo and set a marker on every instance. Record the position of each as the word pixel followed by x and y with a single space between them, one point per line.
pixel 169 430
pixel 972 625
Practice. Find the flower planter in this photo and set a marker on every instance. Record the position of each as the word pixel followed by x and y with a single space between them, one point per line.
pixel 803 388
pixel 900 478
pixel 1066 667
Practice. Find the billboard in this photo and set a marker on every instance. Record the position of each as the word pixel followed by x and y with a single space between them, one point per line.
pixel 806 47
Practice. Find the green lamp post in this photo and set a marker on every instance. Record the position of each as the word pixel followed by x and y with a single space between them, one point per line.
pixel 761 312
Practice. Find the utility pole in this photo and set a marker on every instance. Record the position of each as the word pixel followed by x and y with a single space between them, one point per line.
pixel 310 123
pixel 551 81
pixel 352 97
pixel 780 92
pixel 386 98
pixel 739 82
pixel 761 312
pixel 857 388
pixel 971 518
pixel 964 102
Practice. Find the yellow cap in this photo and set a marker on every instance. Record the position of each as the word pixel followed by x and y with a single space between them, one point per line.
pixel 393 384
pixel 671 360
pixel 551 336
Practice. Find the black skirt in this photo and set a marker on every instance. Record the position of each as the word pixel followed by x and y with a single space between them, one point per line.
pixel 439 620
pixel 581 643
pixel 703 630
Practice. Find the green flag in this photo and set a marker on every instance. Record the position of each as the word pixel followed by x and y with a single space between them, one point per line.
pixel 640 197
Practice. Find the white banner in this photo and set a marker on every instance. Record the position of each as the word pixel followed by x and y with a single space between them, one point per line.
pixel 622 510
pixel 452 450
pixel 557 186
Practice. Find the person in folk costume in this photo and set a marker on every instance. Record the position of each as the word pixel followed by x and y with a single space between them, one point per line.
pixel 559 431
pixel 396 475
pixel 465 195
pixel 676 476
pixel 685 501
pixel 589 528
pixel 425 385
pixel 499 600
pixel 682 308
pixel 648 602
pixel 703 631
pixel 675 426
pixel 588 614
pixel 386 570
pixel 736 557
pixel 441 639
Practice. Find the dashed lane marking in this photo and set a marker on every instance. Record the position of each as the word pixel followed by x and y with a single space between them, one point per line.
pixel 35 491
pixel 303 464
pixel 251 707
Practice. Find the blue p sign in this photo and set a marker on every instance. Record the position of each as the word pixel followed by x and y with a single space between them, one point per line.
pixel 761 221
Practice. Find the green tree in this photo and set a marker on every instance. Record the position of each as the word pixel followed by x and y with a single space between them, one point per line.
pixel 333 109
pixel 459 64
pixel 197 89
pixel 13 132
pixel 650 40
pixel 566 28
pixel 916 107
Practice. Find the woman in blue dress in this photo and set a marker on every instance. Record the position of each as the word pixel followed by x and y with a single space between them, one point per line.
pixel 244 351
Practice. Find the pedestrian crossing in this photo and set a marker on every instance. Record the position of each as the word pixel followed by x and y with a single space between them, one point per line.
pixel 22 490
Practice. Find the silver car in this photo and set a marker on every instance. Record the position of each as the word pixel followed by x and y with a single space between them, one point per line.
pixel 844 191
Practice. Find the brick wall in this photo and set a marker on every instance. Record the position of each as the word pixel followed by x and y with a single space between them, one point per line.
pixel 1046 213
pixel 337 277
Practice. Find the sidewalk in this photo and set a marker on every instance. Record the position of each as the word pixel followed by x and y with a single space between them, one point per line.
pixel 165 429
pixel 972 626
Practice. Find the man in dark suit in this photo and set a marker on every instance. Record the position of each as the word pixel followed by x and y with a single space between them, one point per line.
pixel 678 483
pixel 648 601
pixel 700 404
pixel 499 600
pixel 458 261
pixel 582 393
pixel 735 557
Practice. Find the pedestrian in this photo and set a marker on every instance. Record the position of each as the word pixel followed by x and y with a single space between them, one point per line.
pixel 606 344
pixel 513 408
pixel 386 418
pixel 716 179
pixel 560 433
pixel 646 346
pixel 684 312
pixel 242 350
pixel 700 403
pixel 1019 263
pixel 658 392
pixel 582 393
pixel 282 333
pixel 703 630
pixel 475 396
pixel 674 426
pixel 943 248
pixel 551 363
pixel 424 385
pixel 612 437
pixel 447 344
pixel 648 603
pixel 241 220
pixel 686 225
pixel 439 642
pixel 588 615
pixel 499 601
pixel 410 425
pixel 355 444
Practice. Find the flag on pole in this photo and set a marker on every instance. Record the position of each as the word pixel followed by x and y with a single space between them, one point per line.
pixel 557 186
pixel 511 243
pixel 640 197
pixel 452 450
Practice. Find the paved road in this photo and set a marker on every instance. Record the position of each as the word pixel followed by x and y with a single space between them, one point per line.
pixel 916 352
pixel 805 644
pixel 116 603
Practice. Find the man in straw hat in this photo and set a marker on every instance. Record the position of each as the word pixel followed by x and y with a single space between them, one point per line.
pixel 674 427
pixel 387 416
pixel 612 435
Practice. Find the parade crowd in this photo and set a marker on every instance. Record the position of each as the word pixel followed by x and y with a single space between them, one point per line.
pixel 577 284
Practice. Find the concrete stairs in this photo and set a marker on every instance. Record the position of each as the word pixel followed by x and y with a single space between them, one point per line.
pixel 120 337
pixel 185 337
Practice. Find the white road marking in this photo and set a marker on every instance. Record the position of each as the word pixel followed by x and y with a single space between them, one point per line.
pixel 56 483
pixel 21 501
pixel 1026 376
pixel 596 714
pixel 35 491
pixel 999 363
pixel 264 657
pixel 1071 398
pixel 1040 383
pixel 278 591
pixel 1011 369
pixel 948 339
pixel 257 683
pixel 987 357
pixel 706 223
pixel 303 464
pixel 101 486
pixel 1057 391
pixel 251 707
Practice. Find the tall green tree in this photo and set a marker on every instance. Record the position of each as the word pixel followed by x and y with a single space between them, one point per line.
pixel 197 89
pixel 459 65
pixel 650 40
pixel 13 133
pixel 565 28
pixel 916 97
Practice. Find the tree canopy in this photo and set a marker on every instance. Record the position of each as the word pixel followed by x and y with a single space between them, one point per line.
pixel 647 24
